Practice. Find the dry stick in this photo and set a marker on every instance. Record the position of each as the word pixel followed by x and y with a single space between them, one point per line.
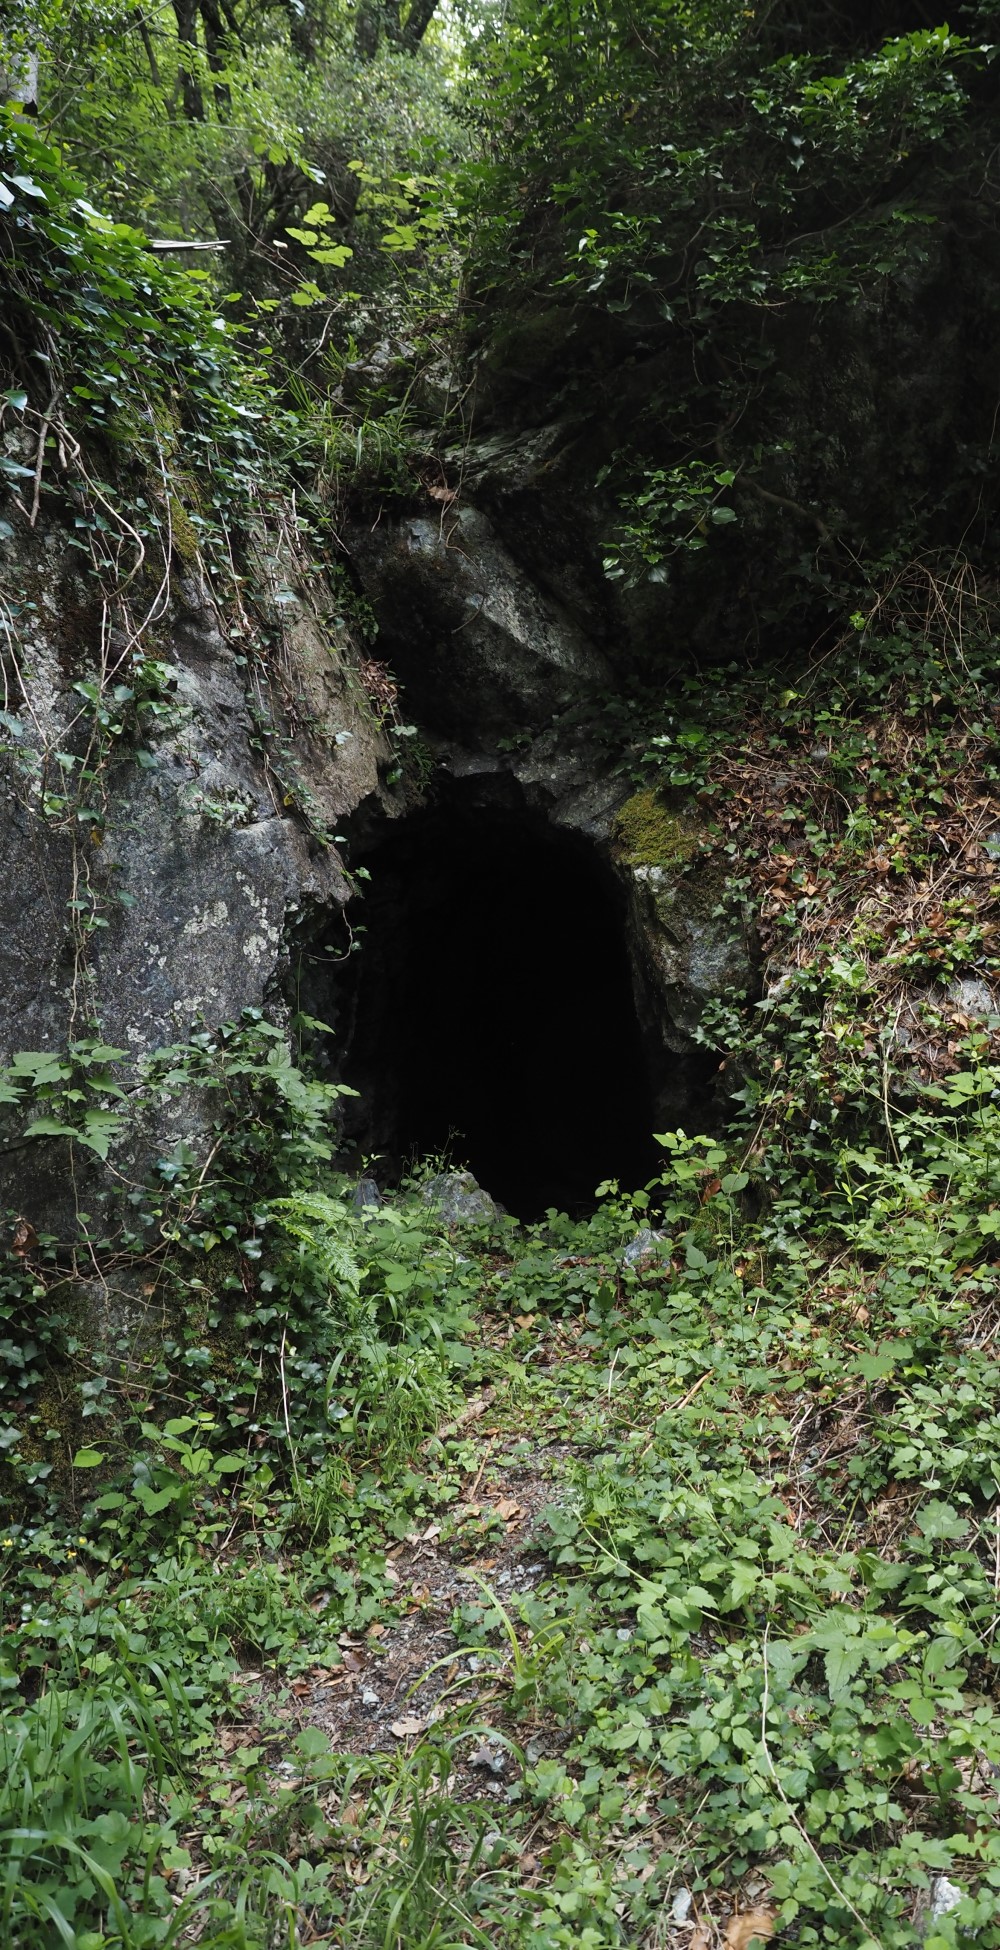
pixel 36 492
pixel 472 1413
pixel 996 1571
pixel 810 1844
pixel 490 1446
pixel 284 1405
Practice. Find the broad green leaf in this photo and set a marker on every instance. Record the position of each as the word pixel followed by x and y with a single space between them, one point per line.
pixel 841 1662
pixel 50 1127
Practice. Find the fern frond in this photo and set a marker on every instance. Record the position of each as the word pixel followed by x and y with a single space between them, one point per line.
pixel 318 1224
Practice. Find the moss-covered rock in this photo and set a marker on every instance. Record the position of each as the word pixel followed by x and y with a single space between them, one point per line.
pixel 647 833
pixel 183 534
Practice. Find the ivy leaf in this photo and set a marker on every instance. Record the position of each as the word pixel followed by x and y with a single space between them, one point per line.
pixel 50 1127
pixel 42 1066
pixel 402 237
pixel 99 1127
pixel 88 1458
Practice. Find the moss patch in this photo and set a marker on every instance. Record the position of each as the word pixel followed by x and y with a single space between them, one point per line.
pixel 183 533
pixel 648 834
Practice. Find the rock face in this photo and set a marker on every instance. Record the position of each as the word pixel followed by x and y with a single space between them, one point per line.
pixel 690 947
pixel 174 798
pixel 485 649
pixel 494 649
pixel 152 871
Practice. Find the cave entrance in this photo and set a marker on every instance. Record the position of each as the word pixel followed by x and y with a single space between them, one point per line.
pixel 489 1017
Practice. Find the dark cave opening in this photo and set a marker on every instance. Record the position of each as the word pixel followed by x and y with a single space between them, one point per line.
pixel 489 1016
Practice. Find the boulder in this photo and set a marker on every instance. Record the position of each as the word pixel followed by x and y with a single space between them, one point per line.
pixel 459 1199
pixel 646 1247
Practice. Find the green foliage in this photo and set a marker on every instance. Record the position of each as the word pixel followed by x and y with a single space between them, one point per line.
pixel 736 1669
pixel 706 232
pixel 759 1654
pixel 124 338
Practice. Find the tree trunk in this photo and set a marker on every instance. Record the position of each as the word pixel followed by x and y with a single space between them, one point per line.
pixel 186 12
pixel 417 22
pixel 377 17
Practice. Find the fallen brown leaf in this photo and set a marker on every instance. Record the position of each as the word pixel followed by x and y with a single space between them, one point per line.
pixel 753 1926
pixel 404 1728
pixel 701 1939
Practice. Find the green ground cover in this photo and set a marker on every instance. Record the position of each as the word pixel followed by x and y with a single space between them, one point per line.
pixel 749 1680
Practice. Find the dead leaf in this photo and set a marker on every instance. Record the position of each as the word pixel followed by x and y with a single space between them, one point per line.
pixel 753 1926
pixel 404 1728
pixel 701 1939
pixel 25 1238
pixel 507 1509
pixel 443 494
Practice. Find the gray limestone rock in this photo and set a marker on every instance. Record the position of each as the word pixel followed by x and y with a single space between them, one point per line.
pixel 478 646
pixel 690 946
pixel 211 837
pixel 973 996
pixel 646 1247
pixel 459 1199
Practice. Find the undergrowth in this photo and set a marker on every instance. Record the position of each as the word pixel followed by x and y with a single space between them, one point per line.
pixel 752 1685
